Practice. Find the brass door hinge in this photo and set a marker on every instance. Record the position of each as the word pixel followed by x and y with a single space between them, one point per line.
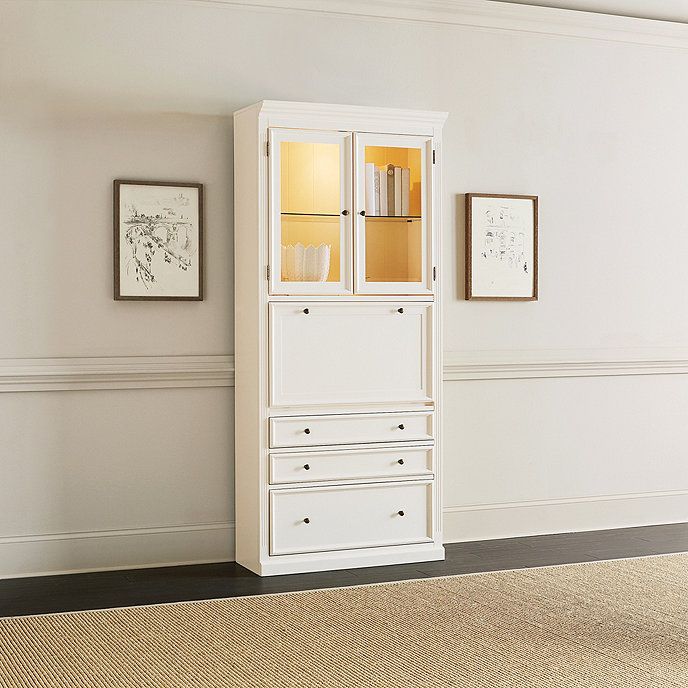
pixel 267 148
pixel 434 274
pixel 267 273
pixel 433 156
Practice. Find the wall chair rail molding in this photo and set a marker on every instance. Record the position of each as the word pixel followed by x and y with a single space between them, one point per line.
pixel 491 15
pixel 504 365
pixel 115 372
pixel 157 372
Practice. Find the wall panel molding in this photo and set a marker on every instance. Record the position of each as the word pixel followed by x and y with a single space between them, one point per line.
pixel 505 365
pixel 567 515
pixel 155 372
pixel 110 550
pixel 80 552
pixel 489 15
pixel 115 372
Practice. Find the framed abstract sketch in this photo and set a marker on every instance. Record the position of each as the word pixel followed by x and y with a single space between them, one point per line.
pixel 501 247
pixel 158 241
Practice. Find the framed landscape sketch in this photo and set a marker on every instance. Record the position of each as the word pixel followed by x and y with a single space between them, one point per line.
pixel 501 247
pixel 158 237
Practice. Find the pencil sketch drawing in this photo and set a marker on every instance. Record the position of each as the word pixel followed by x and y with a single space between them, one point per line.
pixel 502 252
pixel 159 240
pixel 504 237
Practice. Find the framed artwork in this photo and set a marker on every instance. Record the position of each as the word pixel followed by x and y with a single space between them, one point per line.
pixel 501 247
pixel 158 233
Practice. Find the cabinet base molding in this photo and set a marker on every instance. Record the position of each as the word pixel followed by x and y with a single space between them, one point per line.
pixel 331 561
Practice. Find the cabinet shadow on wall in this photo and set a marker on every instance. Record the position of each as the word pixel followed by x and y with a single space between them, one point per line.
pixel 460 220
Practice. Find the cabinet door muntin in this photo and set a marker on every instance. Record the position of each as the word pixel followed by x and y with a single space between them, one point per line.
pixel 310 212
pixel 393 239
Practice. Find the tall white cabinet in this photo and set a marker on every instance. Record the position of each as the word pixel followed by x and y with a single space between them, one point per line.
pixel 337 336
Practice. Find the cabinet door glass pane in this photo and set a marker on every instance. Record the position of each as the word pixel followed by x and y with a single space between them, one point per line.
pixel 310 212
pixel 393 221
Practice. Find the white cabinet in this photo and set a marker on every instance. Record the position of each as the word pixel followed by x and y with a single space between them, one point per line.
pixel 337 345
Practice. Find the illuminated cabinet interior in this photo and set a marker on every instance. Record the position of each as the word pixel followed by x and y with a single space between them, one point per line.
pixel 338 320
pixel 393 243
pixel 310 213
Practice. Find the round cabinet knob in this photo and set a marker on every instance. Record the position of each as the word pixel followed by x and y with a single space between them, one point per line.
pixel 362 213
pixel 306 311
pixel 307 431
pixel 400 310
pixel 400 462
pixel 306 467
pixel 401 513
pixel 306 520
pixel 345 212
pixel 401 426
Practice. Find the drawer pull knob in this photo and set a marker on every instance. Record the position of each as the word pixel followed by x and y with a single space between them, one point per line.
pixel 401 426
pixel 307 431
pixel 362 213
pixel 306 311
pixel 400 310
pixel 345 212
pixel 306 467
pixel 400 462
pixel 306 520
pixel 401 513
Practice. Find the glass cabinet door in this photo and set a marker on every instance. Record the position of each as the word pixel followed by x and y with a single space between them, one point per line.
pixel 393 247
pixel 310 212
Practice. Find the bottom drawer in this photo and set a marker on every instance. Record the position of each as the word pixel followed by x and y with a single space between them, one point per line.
pixel 317 519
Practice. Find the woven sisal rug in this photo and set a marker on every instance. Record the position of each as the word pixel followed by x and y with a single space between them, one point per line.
pixel 619 623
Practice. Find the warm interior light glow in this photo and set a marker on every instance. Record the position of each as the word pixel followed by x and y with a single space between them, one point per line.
pixel 393 246
pixel 310 191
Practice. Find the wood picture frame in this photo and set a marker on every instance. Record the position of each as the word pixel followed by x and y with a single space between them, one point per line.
pixel 158 240
pixel 515 251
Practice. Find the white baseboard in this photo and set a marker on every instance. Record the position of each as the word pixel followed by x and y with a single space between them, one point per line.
pixel 42 555
pixel 496 521
pixel 45 555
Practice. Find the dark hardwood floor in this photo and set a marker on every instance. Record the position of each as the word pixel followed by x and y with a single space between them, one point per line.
pixel 44 594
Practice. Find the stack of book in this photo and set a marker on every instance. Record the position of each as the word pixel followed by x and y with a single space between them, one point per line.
pixel 387 190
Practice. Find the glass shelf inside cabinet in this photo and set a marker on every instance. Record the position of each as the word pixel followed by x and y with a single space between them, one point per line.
pixel 310 212
pixel 393 217
pixel 406 218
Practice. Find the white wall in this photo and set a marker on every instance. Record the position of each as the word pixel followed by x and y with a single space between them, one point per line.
pixel 94 91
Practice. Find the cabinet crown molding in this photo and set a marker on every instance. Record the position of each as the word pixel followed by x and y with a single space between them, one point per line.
pixel 294 114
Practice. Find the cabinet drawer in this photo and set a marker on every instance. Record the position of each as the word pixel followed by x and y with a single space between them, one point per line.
pixel 356 428
pixel 351 465
pixel 324 353
pixel 315 519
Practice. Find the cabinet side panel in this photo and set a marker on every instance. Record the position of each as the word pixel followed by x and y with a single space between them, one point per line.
pixel 437 236
pixel 248 342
